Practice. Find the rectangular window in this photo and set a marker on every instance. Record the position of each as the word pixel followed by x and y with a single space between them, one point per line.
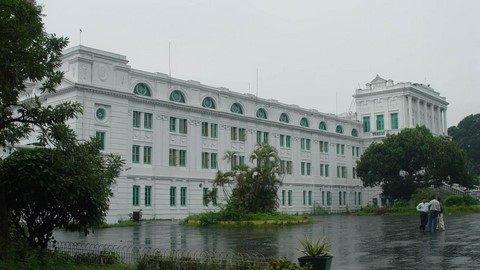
pixel 344 197
pixel 147 154
pixel 288 141
pixel 183 158
pixel 182 126
pixel 354 173
pixel 213 130
pixel 213 161
pixel 283 197
pixel 323 197
pixel 309 168
pixel 100 135
pixel 358 151
pixel 173 124
pixel 327 167
pixel 242 134
pixel 135 154
pixel 380 123
pixel 323 147
pixel 340 198
pixel 394 120
pixel 304 197
pixel 173 196
pixel 302 168
pixel 265 137
pixel 205 196
pixel 233 132
pixel 136 119
pixel 344 172
pixel 259 137
pixel 339 171
pixel 329 198
pixel 289 167
pixel 290 197
pixel 214 196
pixel 359 198
pixel 148 195
pixel 282 166
pixel 183 196
pixel 147 120
pixel 340 149
pixel 310 197
pixel 204 129
pixel 307 144
pixel 172 157
pixel 282 138
pixel 322 169
pixel 136 195
pixel 302 143
pixel 366 124
pixel 353 151
pixel 205 160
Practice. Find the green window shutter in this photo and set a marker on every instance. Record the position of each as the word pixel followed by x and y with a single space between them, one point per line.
pixel 366 124
pixel 148 195
pixel 136 195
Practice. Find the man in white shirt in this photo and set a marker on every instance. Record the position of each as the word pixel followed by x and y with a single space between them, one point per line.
pixel 422 208
pixel 434 211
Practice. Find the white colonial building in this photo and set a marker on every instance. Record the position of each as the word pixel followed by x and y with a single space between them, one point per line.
pixel 173 135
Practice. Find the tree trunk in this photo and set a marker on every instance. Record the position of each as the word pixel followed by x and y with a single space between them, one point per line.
pixel 4 228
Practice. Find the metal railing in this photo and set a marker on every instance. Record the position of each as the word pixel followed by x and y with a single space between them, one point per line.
pixel 152 258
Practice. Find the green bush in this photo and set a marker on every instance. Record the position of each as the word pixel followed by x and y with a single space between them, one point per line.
pixel 421 193
pixel 460 200
pixel 401 203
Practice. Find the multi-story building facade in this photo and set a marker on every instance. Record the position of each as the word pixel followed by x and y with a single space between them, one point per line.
pixel 173 135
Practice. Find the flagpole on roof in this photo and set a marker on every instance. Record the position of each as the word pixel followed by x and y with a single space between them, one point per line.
pixel 80 42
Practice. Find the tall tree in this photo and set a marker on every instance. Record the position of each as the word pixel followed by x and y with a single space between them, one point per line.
pixel 58 188
pixel 412 159
pixel 467 136
pixel 253 189
pixel 27 53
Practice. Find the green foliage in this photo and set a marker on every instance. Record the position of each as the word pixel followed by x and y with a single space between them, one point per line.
pixel 421 193
pixel 318 248
pixel 459 200
pixel 282 264
pixel 467 136
pixel 412 159
pixel 252 189
pixel 28 55
pixel 55 188
pixel 212 218
pixel 401 203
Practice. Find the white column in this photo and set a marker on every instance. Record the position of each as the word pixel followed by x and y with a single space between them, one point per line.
pixel 432 118
pixel 410 116
pixel 388 125
pixel 425 122
pixel 439 121
pixel 445 128
pixel 418 112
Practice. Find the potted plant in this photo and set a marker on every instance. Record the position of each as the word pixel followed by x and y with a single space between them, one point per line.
pixel 317 254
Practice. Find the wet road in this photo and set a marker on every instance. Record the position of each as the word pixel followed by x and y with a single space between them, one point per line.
pixel 357 242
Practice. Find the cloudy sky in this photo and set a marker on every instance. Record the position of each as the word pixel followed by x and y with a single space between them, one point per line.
pixel 310 53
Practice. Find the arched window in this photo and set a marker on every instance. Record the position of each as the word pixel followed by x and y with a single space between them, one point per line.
pixel 284 118
pixel 354 132
pixel 322 126
pixel 208 102
pixel 304 122
pixel 261 113
pixel 142 89
pixel 236 108
pixel 339 129
pixel 177 96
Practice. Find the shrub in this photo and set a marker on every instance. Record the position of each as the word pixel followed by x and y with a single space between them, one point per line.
pixel 460 200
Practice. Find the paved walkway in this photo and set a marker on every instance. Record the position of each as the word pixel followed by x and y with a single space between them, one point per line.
pixel 358 242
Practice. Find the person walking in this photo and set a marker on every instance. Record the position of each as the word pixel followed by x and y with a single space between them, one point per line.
pixel 441 222
pixel 434 211
pixel 422 208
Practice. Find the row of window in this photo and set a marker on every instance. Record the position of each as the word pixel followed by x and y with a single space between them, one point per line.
pixel 142 89
pixel 287 198
pixel 342 198
pixel 211 196
pixel 380 123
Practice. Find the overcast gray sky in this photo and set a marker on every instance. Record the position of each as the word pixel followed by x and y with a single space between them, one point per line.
pixel 310 53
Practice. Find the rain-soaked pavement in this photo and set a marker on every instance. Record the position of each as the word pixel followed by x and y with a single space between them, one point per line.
pixel 377 242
